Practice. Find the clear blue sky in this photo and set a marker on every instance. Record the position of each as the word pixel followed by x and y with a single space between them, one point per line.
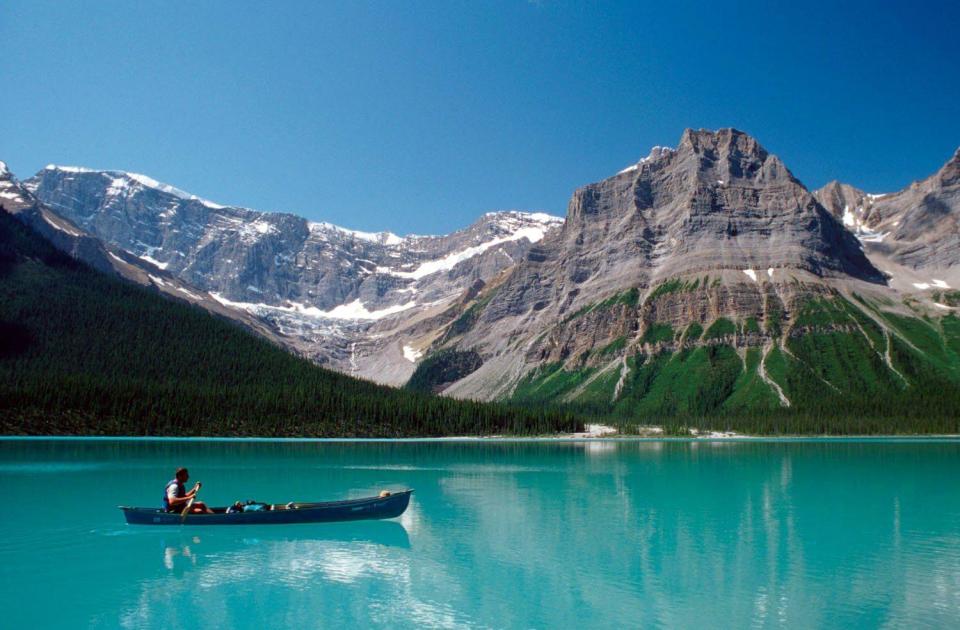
pixel 419 116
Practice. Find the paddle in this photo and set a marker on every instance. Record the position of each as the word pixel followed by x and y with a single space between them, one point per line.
pixel 186 510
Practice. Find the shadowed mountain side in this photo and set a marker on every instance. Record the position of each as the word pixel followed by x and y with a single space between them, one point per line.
pixel 912 234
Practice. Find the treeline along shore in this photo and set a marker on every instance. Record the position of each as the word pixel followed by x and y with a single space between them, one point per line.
pixel 82 353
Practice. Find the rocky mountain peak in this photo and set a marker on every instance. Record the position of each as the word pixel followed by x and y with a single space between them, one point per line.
pixel 716 228
pixel 119 183
pixel 728 155
pixel 706 159
pixel 837 196
pixel 726 140
pixel 719 200
pixel 949 174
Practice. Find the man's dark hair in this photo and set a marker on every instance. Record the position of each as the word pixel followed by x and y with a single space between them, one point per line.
pixel 180 470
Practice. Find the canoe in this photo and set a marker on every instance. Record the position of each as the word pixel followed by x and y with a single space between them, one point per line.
pixel 379 507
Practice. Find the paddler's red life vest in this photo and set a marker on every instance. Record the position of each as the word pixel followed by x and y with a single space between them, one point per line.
pixel 181 492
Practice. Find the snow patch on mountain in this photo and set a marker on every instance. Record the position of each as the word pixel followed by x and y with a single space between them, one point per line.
pixel 153 261
pixel 354 310
pixel 258 227
pixel 411 355
pixel 853 219
pixel 512 216
pixel 532 234
pixel 938 284
pixel 655 153
pixel 118 186
pixel 68 169
pixel 384 238
pixel 849 219
pixel 351 311
pixel 60 227
pixel 868 236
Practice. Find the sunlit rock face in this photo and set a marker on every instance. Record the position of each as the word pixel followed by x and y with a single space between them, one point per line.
pixel 18 199
pixel 345 298
pixel 716 228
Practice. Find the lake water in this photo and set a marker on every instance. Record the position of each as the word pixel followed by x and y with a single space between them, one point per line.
pixel 498 534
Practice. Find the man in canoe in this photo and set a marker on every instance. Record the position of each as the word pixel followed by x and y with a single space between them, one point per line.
pixel 176 497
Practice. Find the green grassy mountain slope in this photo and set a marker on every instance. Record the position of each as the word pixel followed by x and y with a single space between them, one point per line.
pixel 839 364
pixel 84 353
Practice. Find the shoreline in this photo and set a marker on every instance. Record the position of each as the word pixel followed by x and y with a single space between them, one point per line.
pixel 560 438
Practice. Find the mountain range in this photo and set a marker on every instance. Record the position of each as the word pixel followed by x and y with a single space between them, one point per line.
pixel 85 352
pixel 703 279
pixel 361 303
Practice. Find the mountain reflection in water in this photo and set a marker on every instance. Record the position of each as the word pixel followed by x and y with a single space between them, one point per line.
pixel 502 534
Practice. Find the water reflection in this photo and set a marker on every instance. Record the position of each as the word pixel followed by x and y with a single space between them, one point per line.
pixel 598 448
pixel 735 531
pixel 173 551
pixel 315 576
pixel 184 549
pixel 598 534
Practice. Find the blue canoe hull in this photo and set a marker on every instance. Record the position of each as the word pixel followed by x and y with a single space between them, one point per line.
pixel 332 511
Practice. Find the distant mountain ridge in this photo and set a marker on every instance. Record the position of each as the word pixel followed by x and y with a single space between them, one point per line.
pixel 342 297
pixel 913 234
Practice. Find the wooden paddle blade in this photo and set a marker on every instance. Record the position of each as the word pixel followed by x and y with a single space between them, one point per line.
pixel 186 510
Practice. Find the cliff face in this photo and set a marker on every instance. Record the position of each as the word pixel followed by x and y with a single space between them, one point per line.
pixel 711 247
pixel 718 201
pixel 704 278
pixel 270 257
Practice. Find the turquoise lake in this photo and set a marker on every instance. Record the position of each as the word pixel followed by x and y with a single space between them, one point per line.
pixel 499 534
